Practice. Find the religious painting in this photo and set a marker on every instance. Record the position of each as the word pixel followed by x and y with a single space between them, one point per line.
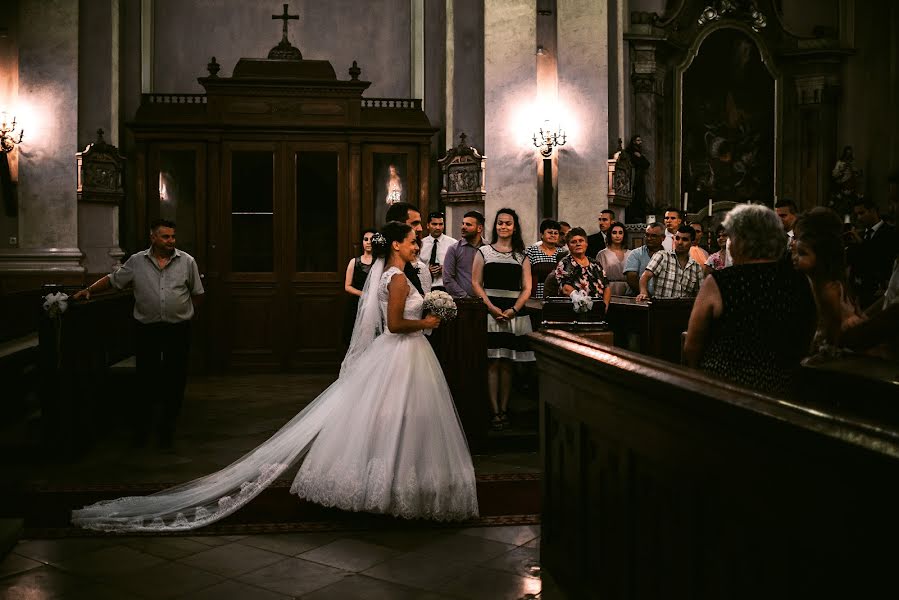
pixel 390 182
pixel 727 146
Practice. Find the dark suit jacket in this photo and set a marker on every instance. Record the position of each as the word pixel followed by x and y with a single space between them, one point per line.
pixel 871 262
pixel 595 243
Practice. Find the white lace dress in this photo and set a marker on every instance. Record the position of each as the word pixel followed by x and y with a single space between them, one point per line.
pixel 384 438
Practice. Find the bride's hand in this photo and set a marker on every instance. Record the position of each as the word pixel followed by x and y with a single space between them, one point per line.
pixel 431 322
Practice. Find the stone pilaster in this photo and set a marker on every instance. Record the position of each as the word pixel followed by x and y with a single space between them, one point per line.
pixel 510 90
pixel 647 81
pixel 48 88
pixel 583 50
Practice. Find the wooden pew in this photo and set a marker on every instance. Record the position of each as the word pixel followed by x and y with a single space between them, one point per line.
pixel 660 482
pixel 461 348
pixel 658 324
pixel 75 354
pixel 19 313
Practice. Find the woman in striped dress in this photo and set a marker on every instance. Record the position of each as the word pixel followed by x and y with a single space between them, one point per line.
pixel 501 277
pixel 544 255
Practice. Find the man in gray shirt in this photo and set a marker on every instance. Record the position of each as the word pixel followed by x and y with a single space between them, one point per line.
pixel 460 256
pixel 167 285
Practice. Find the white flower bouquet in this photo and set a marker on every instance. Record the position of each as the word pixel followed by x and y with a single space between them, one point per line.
pixel 441 304
pixel 55 304
pixel 581 302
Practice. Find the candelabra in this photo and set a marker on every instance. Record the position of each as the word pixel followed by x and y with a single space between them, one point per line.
pixel 8 139
pixel 548 139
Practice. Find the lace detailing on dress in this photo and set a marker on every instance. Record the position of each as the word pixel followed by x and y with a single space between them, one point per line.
pixel 414 301
pixel 199 516
pixel 442 497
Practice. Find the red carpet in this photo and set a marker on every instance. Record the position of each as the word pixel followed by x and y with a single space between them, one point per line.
pixel 504 499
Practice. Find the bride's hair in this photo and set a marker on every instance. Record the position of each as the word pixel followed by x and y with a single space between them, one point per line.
pixel 381 242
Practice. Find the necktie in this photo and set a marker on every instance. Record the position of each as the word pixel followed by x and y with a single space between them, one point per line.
pixel 433 260
pixel 868 234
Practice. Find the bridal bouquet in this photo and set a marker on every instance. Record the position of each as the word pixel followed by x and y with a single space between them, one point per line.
pixel 441 304
pixel 581 302
pixel 55 304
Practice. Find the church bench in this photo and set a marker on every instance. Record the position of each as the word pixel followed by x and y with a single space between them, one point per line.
pixel 660 482
pixel 19 313
pixel 75 353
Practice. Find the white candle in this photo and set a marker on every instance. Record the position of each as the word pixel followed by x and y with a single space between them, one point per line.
pixel 650 218
pixel 685 201
pixel 775 201
pixel 710 207
pixel 847 219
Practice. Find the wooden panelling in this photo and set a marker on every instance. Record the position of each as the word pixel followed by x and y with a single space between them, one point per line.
pixel 662 483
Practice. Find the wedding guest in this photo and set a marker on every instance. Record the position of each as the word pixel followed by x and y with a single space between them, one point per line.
pixel 787 212
pixel 818 253
pixel 753 322
pixel 639 258
pixel 720 259
pixel 673 221
pixel 434 247
pixel 675 273
pixel 699 254
pixel 600 239
pixel 577 271
pixel 544 255
pixel 501 277
pixel 564 228
pixel 871 261
pixel 613 258
pixel 459 258
pixel 167 286
pixel 353 282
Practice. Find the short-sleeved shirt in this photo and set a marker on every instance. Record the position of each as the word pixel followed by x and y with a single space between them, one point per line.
pixel 160 295
pixel 636 262
pixel 672 280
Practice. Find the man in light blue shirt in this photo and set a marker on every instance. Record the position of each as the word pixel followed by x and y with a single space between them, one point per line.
pixel 639 258
pixel 166 284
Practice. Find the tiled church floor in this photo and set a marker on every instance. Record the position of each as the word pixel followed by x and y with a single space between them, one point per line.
pixel 484 562
pixel 223 417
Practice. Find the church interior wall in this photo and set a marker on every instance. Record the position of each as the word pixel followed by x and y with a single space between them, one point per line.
pixel 374 33
pixel 9 88
pixel 867 119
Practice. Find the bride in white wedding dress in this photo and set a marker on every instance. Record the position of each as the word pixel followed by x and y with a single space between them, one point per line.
pixel 383 438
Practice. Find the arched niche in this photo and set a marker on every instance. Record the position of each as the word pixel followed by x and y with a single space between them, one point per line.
pixel 728 113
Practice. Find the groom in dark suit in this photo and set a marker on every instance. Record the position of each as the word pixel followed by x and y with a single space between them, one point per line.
pixel 408 214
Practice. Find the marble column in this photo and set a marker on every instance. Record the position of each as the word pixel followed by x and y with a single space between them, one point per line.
pixel 583 110
pixel 48 91
pixel 98 79
pixel 510 91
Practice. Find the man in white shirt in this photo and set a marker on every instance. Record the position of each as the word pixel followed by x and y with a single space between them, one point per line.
pixel 434 247
pixel 788 213
pixel 673 220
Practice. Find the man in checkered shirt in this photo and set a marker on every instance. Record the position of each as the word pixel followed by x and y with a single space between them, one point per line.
pixel 676 274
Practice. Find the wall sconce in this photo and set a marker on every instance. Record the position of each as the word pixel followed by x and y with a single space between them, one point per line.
pixel 8 139
pixel 547 138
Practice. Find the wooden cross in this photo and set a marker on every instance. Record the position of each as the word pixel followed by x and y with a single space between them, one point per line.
pixel 285 17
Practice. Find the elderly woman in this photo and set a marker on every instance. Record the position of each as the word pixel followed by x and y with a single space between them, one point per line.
pixel 753 322
pixel 544 255
pixel 577 271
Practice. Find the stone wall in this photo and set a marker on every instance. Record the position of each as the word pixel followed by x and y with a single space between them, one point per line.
pixel 375 33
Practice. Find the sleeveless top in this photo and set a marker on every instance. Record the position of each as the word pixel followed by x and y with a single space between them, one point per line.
pixel 360 273
pixel 414 301
pixel 765 327
pixel 502 276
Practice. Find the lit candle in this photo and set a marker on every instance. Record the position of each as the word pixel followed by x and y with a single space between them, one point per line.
pixel 650 218
pixel 847 219
pixel 710 207
pixel 685 201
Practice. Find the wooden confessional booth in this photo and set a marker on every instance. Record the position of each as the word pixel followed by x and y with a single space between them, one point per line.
pixel 270 176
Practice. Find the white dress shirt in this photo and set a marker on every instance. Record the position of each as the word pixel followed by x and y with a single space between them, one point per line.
pixel 443 244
